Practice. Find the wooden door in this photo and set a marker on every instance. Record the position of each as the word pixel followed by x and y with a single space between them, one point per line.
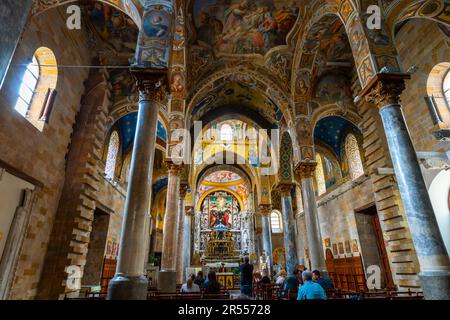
pixel 386 270
pixel 109 270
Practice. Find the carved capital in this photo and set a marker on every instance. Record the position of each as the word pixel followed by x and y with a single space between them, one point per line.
pixel 285 189
pixel 174 169
pixel 265 209
pixel 305 169
pixel 152 86
pixel 385 89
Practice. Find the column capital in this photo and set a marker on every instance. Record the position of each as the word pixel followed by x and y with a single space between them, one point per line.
pixel 174 169
pixel 305 169
pixel 152 85
pixel 265 209
pixel 189 210
pixel 385 89
pixel 285 189
pixel 183 190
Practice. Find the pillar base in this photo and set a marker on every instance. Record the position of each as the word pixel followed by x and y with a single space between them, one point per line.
pixel 435 285
pixel 128 288
pixel 167 281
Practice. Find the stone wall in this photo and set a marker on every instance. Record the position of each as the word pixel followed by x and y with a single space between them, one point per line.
pixel 336 211
pixel 422 44
pixel 42 154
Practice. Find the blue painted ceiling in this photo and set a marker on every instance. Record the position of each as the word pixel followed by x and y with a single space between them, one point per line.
pixel 127 127
pixel 330 131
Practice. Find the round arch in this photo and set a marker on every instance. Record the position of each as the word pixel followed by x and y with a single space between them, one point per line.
pixel 260 80
pixel 126 6
pixel 235 194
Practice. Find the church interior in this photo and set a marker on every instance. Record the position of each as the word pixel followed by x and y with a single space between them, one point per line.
pixel 153 139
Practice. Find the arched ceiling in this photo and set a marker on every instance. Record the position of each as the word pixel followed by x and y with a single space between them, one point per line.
pixel 230 27
pixel 331 131
pixel 112 33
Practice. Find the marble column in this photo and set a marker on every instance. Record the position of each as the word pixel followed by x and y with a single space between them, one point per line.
pixel 304 171
pixel 180 235
pixel 288 228
pixel 300 235
pixel 167 278
pixel 189 211
pixel 129 282
pixel 251 233
pixel 431 253
pixel 265 210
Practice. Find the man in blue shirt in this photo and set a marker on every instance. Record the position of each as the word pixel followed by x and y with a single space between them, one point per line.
pixel 324 282
pixel 310 290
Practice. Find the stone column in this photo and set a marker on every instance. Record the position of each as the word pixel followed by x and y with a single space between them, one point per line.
pixel 288 227
pixel 432 255
pixel 189 211
pixel 304 171
pixel 180 235
pixel 299 216
pixel 265 210
pixel 168 275
pixel 129 283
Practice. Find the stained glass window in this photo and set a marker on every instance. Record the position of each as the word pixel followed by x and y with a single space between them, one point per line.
pixel 275 222
pixel 113 150
pixel 446 88
pixel 28 87
pixel 320 177
pixel 353 157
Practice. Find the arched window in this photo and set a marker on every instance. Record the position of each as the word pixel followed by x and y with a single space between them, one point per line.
pixel 355 165
pixel 28 87
pixel 320 177
pixel 446 88
pixel 113 150
pixel 226 132
pixel 37 92
pixel 275 222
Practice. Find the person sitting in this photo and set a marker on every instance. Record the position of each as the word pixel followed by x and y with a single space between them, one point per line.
pixel 199 280
pixel 290 284
pixel 281 277
pixel 246 277
pixel 310 290
pixel 324 282
pixel 190 286
pixel 211 285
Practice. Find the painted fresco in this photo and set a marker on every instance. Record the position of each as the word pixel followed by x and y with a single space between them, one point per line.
pixel 244 26
pixel 116 31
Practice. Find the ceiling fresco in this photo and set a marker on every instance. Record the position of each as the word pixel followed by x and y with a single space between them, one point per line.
pixel 236 93
pixel 112 32
pixel 243 26
pixel 223 177
pixel 331 131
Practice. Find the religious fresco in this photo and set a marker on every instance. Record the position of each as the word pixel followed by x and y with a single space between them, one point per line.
pixel 243 26
pixel 226 180
pixel 154 42
pixel 223 177
pixel 236 91
pixel 115 32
